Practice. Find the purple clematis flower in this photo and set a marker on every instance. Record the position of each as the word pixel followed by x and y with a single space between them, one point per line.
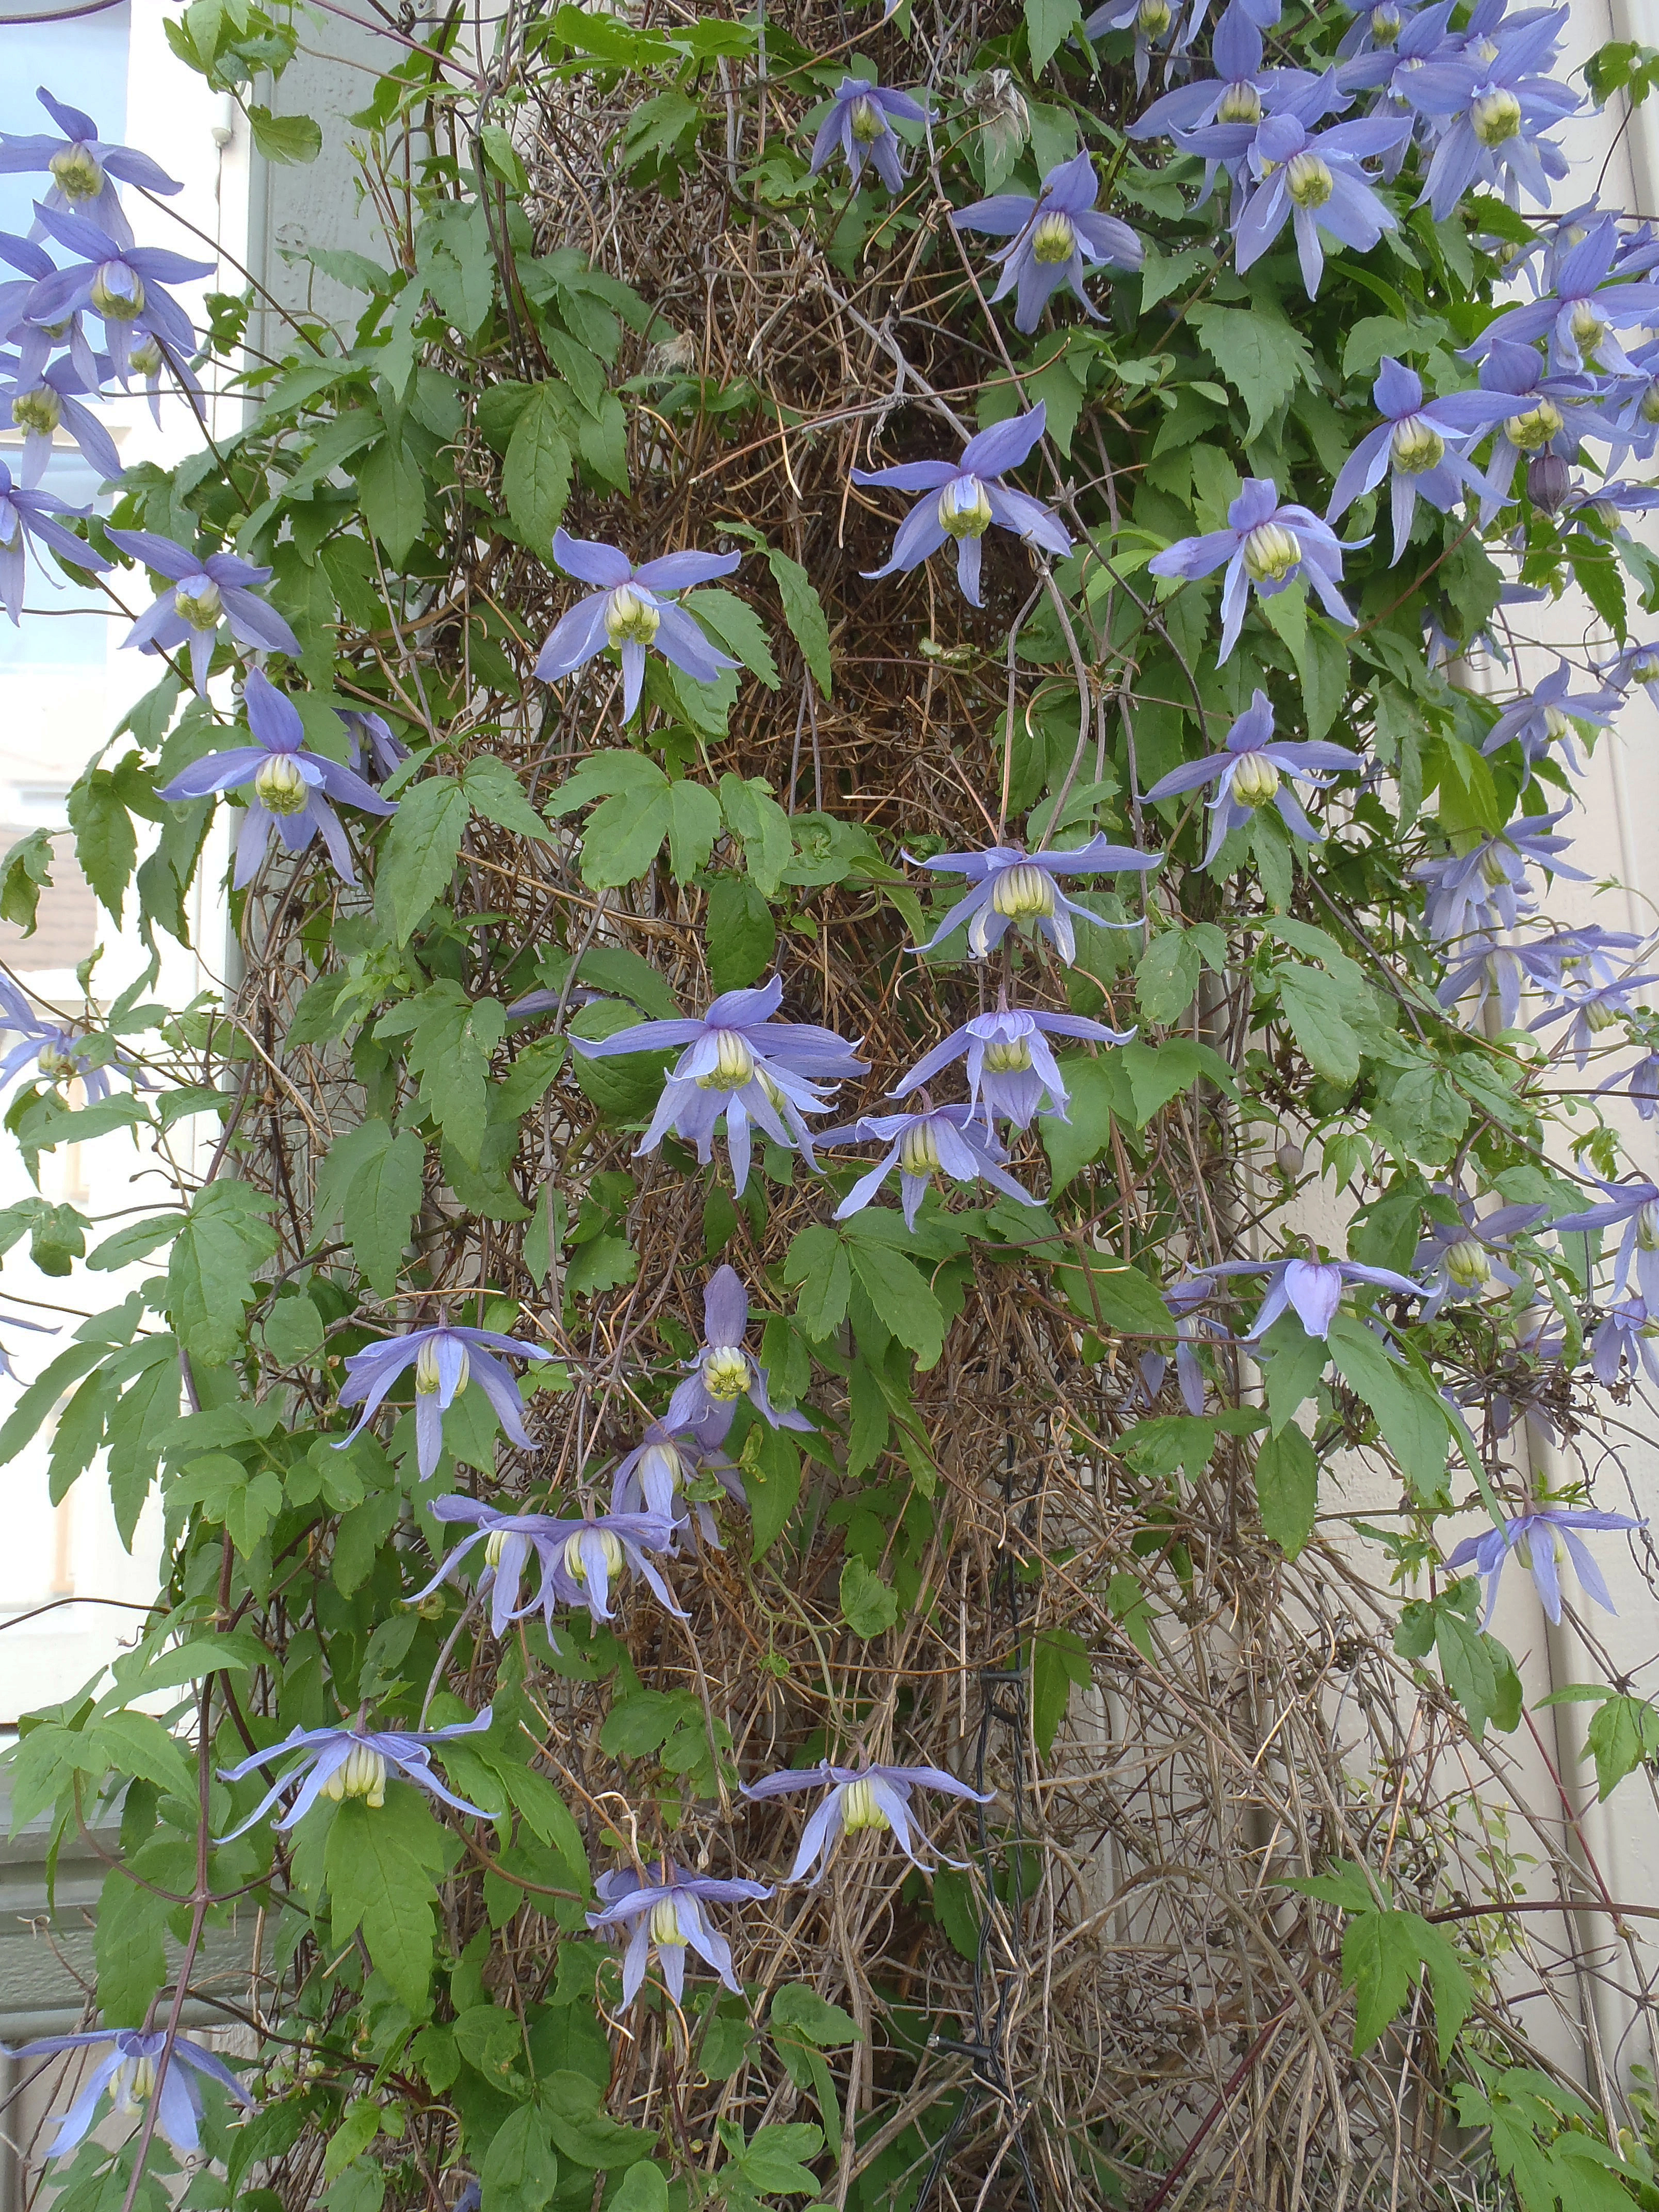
pixel 1464 1258
pixel 290 787
pixel 1626 1336
pixel 1545 716
pixel 1604 503
pixel 37 405
pixel 1592 1011
pixel 738 1062
pixel 1269 543
pixel 1310 1289
pixel 206 589
pixel 26 517
pixel 1542 1538
pixel 122 285
pixel 1012 888
pixel 629 611
pixel 1637 664
pixel 1547 964
pixel 1487 885
pixel 653 1477
pixel 580 1558
pixel 57 1053
pixel 1151 20
pixel 1636 1206
pixel 1590 302
pixel 1376 28
pixel 1490 109
pixel 861 1797
pixel 938 1140
pixel 1312 180
pixel 130 2068
pixel 1411 445
pixel 1249 768
pixel 83 167
pixel 664 1914
pixel 860 124
pixel 1053 238
pixel 444 1359
pixel 342 1762
pixel 965 497
pixel 1641 1084
pixel 36 341
pixel 1547 415
pixel 377 753
pixel 1241 91
pixel 1010 1068
pixel 1183 1298
pixel 722 1371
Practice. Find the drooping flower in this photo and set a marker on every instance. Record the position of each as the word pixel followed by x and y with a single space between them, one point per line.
pixel 1490 109
pixel 1640 1084
pixel 1625 1336
pixel 289 788
pixel 1014 889
pixel 1604 503
pixel 26 517
pixel 1313 180
pixel 1592 1011
pixel 739 1062
pixel 1547 415
pixel 1241 91
pixel 1376 28
pixel 1251 769
pixel 1151 20
pixel 664 1914
pixel 630 611
pixel 16 1321
pixel 1549 965
pixel 377 753
pixel 206 590
pixel 1412 446
pixel 1053 240
pixel 1542 1538
pixel 129 2069
pixel 653 1477
pixel 1545 716
pixel 1010 1068
pixel 1183 1299
pixel 580 1558
pixel 721 1370
pixel 1635 1207
pixel 1487 886
pixel 1269 543
pixel 938 1140
pixel 39 405
pixel 122 285
pixel 444 1358
pixel 965 497
pixel 1637 664
pixel 1310 1289
pixel 1463 1259
pixel 56 1052
pixel 869 1796
pixel 342 1762
pixel 860 124
pixel 1590 301
pixel 82 166
pixel 36 342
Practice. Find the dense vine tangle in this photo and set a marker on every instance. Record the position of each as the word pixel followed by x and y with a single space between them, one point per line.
pixel 792 1572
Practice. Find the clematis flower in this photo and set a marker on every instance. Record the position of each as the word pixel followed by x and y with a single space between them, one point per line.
pixel 122 285
pixel 289 788
pixel 653 1477
pixel 738 1062
pixel 938 1140
pixel 206 590
pixel 664 1914
pixel 1376 28
pixel 37 405
pixel 1269 543
pixel 376 752
pixel 444 1358
pixel 580 1558
pixel 1241 91
pixel 1412 448
pixel 27 518
pixel 860 124
pixel 36 341
pixel 868 1796
pixel 1641 1085
pixel 129 2069
pixel 1014 889
pixel 1541 1539
pixel 16 1321
pixel 1249 769
pixel 1054 238
pixel 1637 664
pixel 1463 1259
pixel 1490 109
pixel 1634 1206
pixel 1592 1011
pixel 56 1052
pixel 964 498
pixel 1547 415
pixel 1010 1068
pixel 1310 1289
pixel 1604 503
pixel 1545 716
pixel 721 1370
pixel 1312 180
pixel 1487 885
pixel 1625 1337
pixel 338 1763
pixel 1589 304
pixel 1152 22
pixel 82 167
pixel 1183 1298
pixel 629 611
pixel 1544 964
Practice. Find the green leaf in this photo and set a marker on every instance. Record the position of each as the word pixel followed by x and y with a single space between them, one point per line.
pixel 741 935
pixel 418 856
pixel 1623 1735
pixel 536 473
pixel 734 625
pixel 754 816
pixel 377 1884
pixel 25 872
pixel 584 2132
pixel 1312 1002
pixel 901 1294
pixel 643 2188
pixel 803 2009
pixel 1383 1953
pixel 802 611
pixel 130 1945
pixel 1260 352
pixel 502 155
pixel 1156 1073
pixel 520 2168
pixel 106 843
pixel 772 1478
pixel 373 1182
pixel 391 491
pixel 1167 975
pixel 867 1606
pixel 1409 1414
pixel 1060 1662
pixel 818 1267
pixel 358 2128
pixel 1048 24
pixel 495 791
pixel 1294 1364
pixel 286 138
pixel 1287 1487
pixel 226 1238
pixel 1095 1084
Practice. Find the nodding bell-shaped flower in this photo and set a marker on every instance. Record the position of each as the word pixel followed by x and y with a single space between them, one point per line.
pixel 1542 1538
pixel 662 1912
pixel 136 2064
pixel 206 589
pixel 861 1797
pixel 1052 239
pixel 1310 1289
pixel 84 168
pixel 1269 543
pixel 1248 773
pixel 940 1141
pixel 1010 1068
pixel 1413 443
pixel 653 1478
pixel 722 1370
pixel 124 285
pixel 859 124
pixel 581 1559
pixel 1009 888
pixel 27 518
pixel 444 1358
pixel 631 612
pixel 338 1763
pixel 1464 1257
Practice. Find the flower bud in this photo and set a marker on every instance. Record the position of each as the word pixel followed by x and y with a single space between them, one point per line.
pixel 725 1371
pixel 281 788
pixel 1644 665
pixel 1290 1159
pixel 866 120
pixel 1533 431
pixel 610 1550
pixel 427 1378
pixel 1271 552
pixel 1023 892
pixel 1469 1263
pixel 1008 1056
pixel 919 1150
pixel 1053 240
pixel 1416 446
pixel 965 507
pixel 1153 18
pixel 1309 179
pixel 55 1064
pixel 666 1923
pixel 1548 481
pixel 1255 779
pixel 1647 1227
pixel 198 599
pixel 1496 116
pixel 39 410
pixel 1385 25
pixel 1240 103
pixel 1649 408
pixel 859 1808
pixel 77 173
pixel 630 619
pixel 117 293
pixel 362 1775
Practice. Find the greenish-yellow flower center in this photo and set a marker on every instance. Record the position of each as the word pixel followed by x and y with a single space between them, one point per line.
pixel 965 507
pixel 1599 1015
pixel 1588 330
pixel 428 1380
pixel 725 1371
pixel 1647 1227
pixel 1240 103
pixel 666 1923
pixel 1496 116
pixel 54 1063
pixel 1418 445
pixel 1648 408
pixel 281 789
pixel 575 1563
pixel 1644 667
pixel 1556 725
pixel 76 171
pixel 1153 18
pixel 1023 892
pixel 734 1064
pixel 919 1150
pixel 1308 178
pixel 1054 239
pixel 117 293
pixel 198 599
pixel 629 619
pixel 493 1543
pixel 1533 431
pixel 1271 552
pixel 867 121
pixel 145 358
pixel 362 1775
pixel 1008 1056
pixel 39 410
pixel 859 1808
pixel 135 2084
pixel 1255 779
pixel 1468 1264
pixel 1385 25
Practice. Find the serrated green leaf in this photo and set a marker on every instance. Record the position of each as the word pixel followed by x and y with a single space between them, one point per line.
pixel 536 473
pixel 210 1277
pixel 418 855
